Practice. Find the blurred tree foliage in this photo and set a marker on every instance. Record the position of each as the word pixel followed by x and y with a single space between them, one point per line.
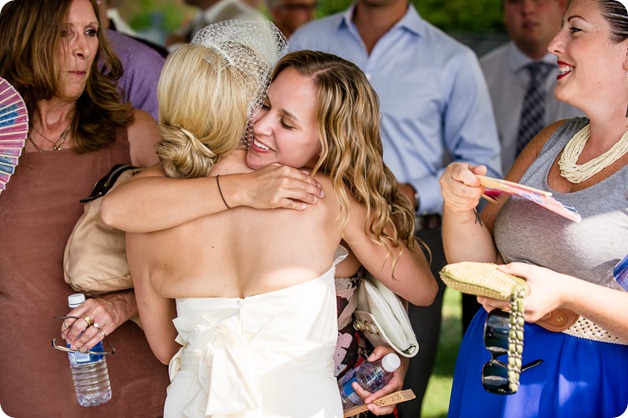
pixel 449 15
pixel 470 16
pixel 165 14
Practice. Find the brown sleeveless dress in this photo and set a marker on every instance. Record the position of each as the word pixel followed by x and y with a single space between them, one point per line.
pixel 38 210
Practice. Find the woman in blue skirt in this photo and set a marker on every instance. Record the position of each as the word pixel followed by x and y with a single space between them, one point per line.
pixel 583 369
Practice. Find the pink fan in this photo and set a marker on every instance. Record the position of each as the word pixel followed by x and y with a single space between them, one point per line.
pixel 13 130
pixel 495 188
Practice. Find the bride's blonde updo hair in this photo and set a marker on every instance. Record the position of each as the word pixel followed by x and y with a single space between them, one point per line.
pixel 202 111
pixel 208 91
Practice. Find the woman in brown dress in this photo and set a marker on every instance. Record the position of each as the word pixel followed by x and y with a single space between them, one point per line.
pixel 50 52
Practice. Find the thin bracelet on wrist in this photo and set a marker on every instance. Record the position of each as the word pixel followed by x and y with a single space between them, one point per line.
pixel 220 191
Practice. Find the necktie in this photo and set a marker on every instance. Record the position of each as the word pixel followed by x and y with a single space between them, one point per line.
pixel 533 111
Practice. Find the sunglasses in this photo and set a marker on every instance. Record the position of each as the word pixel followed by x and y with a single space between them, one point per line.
pixel 79 351
pixel 501 337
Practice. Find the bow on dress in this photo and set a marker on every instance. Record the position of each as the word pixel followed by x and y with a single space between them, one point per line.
pixel 226 378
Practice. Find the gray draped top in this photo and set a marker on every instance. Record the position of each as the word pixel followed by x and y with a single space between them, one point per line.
pixel 525 231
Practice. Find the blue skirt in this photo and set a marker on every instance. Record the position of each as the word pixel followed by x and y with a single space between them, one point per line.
pixel 577 378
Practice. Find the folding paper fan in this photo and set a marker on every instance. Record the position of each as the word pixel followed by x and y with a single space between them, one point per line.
pixel 13 130
pixel 495 188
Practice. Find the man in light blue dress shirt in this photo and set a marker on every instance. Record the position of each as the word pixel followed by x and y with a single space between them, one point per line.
pixel 435 109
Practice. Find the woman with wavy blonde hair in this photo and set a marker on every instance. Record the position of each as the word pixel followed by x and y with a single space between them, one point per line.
pixel 351 147
pixel 254 289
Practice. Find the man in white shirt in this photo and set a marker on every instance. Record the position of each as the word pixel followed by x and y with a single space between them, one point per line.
pixel 211 11
pixel 531 26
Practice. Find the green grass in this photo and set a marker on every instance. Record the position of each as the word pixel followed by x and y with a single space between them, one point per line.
pixel 436 399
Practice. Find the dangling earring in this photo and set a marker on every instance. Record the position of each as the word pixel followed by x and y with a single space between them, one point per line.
pixel 247 138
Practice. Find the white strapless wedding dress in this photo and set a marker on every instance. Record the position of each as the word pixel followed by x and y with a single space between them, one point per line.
pixel 268 355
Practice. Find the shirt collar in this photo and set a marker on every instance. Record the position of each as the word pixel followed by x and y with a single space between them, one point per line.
pixel 517 60
pixel 411 21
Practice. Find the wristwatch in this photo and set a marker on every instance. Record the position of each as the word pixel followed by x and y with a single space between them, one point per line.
pixel 417 201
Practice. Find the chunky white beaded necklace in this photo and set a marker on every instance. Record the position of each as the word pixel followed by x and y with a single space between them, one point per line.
pixel 575 173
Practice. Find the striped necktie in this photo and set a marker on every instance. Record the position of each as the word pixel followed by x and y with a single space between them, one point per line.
pixel 534 102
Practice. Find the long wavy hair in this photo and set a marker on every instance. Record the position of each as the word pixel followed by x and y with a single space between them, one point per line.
pixel 203 110
pixel 349 132
pixel 31 37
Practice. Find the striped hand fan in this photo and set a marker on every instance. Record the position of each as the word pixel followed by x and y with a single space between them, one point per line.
pixel 13 130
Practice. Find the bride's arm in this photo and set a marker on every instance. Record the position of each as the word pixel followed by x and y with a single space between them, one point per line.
pixel 156 312
pixel 151 202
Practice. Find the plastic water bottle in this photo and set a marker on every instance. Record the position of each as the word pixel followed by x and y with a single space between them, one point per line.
pixel 89 371
pixel 370 376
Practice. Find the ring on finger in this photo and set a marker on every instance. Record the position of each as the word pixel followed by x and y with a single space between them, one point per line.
pixel 100 331
pixel 95 325
pixel 87 319
pixel 65 326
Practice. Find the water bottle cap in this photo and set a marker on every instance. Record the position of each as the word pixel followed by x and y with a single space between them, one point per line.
pixel 391 362
pixel 75 299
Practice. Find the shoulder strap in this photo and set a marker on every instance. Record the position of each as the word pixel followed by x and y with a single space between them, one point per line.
pixel 106 183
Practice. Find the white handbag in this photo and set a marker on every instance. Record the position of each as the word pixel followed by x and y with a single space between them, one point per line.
pixel 383 318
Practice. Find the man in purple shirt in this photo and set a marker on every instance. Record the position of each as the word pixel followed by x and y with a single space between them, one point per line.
pixel 142 68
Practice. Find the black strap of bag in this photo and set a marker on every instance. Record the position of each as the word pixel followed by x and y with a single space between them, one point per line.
pixel 106 183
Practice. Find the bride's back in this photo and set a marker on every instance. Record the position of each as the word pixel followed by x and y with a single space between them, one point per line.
pixel 240 252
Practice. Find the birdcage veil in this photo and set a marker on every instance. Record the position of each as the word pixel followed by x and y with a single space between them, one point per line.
pixel 252 48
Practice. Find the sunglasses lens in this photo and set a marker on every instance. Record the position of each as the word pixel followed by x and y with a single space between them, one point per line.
pixel 495 378
pixel 496 332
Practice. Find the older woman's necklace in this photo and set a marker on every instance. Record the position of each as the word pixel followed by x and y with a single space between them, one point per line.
pixel 577 173
pixel 56 145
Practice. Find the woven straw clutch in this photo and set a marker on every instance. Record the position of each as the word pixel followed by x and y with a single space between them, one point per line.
pixel 482 279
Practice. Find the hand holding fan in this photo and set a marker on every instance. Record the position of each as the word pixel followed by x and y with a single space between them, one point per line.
pixel 13 130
